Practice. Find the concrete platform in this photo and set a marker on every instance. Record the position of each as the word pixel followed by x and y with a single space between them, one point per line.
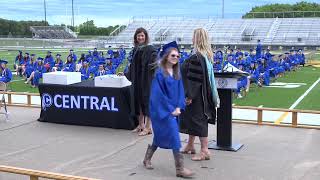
pixel 268 152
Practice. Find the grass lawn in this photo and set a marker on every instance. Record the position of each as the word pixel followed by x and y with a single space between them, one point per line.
pixel 284 97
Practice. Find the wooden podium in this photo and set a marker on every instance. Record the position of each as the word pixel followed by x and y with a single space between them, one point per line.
pixel 226 82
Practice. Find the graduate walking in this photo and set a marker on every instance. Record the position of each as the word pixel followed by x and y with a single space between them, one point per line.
pixel 166 101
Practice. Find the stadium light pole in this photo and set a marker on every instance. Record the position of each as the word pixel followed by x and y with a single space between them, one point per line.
pixel 72 20
pixel 45 12
pixel 222 9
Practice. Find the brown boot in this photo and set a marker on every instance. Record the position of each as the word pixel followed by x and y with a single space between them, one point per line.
pixel 147 158
pixel 181 171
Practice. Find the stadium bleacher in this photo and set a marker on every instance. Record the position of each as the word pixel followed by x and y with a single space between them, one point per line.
pixel 271 31
pixel 52 32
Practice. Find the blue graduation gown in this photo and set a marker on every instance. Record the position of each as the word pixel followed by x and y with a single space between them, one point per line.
pixel 6 75
pixel 166 95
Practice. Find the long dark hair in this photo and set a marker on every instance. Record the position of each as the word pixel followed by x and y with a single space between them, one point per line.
pixel 164 61
pixel 144 31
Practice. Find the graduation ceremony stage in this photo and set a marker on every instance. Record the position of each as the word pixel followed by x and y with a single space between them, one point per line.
pixel 85 104
pixel 269 152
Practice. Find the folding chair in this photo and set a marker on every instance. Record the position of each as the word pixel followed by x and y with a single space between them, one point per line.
pixel 3 88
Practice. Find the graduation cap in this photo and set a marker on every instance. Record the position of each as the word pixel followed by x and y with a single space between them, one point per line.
pixel 280 55
pixel 49 52
pixel 40 59
pixel 27 53
pixel 71 50
pixel 3 61
pixel 89 51
pixel 58 55
pixel 101 63
pixel 85 61
pixel 286 53
pixel 246 53
pixel 268 49
pixel 251 50
pixel 32 54
pixel 95 48
pixel 166 47
pixel 292 50
pixel 20 52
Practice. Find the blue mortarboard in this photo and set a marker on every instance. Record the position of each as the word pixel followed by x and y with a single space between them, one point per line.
pixel 20 52
pixel 71 50
pixel 292 50
pixel 95 48
pixel 26 53
pixel 280 55
pixel 286 53
pixel 109 46
pixel 168 46
pixel 39 58
pixel 58 55
pixel 48 51
pixel 268 49
pixel 32 54
pixel 89 51
pixel 3 61
pixel 299 49
pixel 251 50
pixel 85 61
pixel 272 55
pixel 101 63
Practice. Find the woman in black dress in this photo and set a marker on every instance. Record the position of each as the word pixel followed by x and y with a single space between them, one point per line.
pixel 201 95
pixel 140 73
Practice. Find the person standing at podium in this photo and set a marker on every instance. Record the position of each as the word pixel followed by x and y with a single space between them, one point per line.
pixel 140 73
pixel 202 97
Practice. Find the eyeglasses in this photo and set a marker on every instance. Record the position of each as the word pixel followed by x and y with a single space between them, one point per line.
pixel 173 55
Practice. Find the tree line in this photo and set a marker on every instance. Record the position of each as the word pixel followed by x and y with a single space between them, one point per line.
pixel 12 28
pixel 300 9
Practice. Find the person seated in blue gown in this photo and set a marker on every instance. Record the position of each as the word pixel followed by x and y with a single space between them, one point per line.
pixel 109 53
pixel 101 70
pixel 36 75
pixel 21 68
pixel 85 71
pixel 264 72
pixel 254 72
pixel 242 82
pixel 18 58
pixel 95 52
pixel 48 62
pixel 30 66
pixel 109 66
pixel 6 74
pixel 301 57
pixel 73 55
pixel 58 63
pixel 69 66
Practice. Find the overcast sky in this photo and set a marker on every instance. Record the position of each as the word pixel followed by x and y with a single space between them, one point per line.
pixel 112 12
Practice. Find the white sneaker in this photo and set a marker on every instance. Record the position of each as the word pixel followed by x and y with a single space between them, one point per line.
pixel 239 96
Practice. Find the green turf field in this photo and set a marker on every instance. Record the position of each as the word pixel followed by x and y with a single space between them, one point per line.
pixel 285 97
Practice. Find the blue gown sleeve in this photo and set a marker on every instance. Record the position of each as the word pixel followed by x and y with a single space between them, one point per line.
pixel 159 101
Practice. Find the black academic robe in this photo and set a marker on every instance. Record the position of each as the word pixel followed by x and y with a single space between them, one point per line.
pixel 194 120
pixel 140 73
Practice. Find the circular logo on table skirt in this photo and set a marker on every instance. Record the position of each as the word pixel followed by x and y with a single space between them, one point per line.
pixel 46 101
pixel 222 83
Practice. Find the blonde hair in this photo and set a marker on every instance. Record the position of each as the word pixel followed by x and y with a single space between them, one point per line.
pixel 201 43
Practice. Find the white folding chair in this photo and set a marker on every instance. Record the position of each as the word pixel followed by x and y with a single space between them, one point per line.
pixel 3 88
